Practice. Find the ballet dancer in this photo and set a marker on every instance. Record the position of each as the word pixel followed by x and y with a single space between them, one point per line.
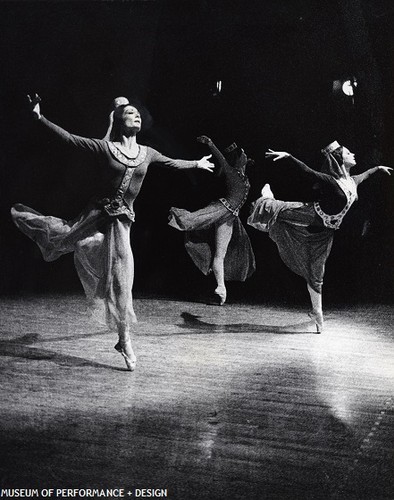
pixel 304 232
pixel 100 235
pixel 215 238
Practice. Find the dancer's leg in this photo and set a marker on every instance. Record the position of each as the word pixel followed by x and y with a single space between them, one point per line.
pixel 317 309
pixel 125 348
pixel 118 296
pixel 223 233
pixel 123 273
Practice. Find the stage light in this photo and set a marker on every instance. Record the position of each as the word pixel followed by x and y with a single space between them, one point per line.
pixel 348 87
pixel 345 86
pixel 217 88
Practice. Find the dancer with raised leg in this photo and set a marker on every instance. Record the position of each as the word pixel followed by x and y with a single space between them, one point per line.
pixel 215 238
pixel 304 232
pixel 100 235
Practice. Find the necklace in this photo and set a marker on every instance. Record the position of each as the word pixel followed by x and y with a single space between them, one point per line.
pixel 126 160
pixel 125 152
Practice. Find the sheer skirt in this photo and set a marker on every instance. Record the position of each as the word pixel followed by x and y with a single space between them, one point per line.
pixel 102 255
pixel 303 242
pixel 199 227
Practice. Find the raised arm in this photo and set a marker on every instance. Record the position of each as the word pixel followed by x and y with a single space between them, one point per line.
pixel 215 151
pixel 35 108
pixel 82 143
pixel 358 179
pixel 279 155
pixel 203 164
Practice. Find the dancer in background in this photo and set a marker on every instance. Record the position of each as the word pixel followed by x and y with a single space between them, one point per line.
pixel 304 232
pixel 100 235
pixel 215 238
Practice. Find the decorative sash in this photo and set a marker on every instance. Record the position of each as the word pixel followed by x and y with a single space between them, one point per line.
pixel 349 187
pixel 235 211
pixel 116 205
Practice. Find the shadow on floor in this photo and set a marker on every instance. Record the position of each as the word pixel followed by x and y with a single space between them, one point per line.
pixel 18 350
pixel 193 321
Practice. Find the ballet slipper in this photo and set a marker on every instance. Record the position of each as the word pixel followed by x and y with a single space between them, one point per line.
pixel 266 191
pixel 130 360
pixel 318 320
pixel 220 294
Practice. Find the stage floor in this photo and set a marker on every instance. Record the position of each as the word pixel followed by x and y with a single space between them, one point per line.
pixel 233 402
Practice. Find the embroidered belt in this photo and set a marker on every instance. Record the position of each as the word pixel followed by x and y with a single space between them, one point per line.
pixel 117 207
pixel 349 187
pixel 329 221
pixel 234 211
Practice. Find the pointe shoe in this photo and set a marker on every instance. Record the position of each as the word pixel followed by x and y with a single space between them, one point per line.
pixel 266 191
pixel 130 361
pixel 220 295
pixel 318 319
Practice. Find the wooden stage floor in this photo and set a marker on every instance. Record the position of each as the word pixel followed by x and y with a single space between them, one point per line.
pixel 228 402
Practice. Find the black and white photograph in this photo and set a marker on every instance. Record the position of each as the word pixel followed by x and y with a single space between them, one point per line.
pixel 196 246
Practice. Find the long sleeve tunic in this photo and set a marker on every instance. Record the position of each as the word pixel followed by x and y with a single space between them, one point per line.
pixel 112 162
pixel 331 198
pixel 304 232
pixel 200 225
pixel 236 183
pixel 101 244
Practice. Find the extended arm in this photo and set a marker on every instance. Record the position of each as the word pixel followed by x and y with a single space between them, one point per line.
pixel 358 179
pixel 203 164
pixel 215 151
pixel 83 143
pixel 279 155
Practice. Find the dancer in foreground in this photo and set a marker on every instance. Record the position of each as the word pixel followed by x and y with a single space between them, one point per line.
pixel 304 232
pixel 100 235
pixel 215 238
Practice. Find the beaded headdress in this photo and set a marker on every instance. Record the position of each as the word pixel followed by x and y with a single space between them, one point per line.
pixel 118 101
pixel 331 147
pixel 330 165
pixel 230 148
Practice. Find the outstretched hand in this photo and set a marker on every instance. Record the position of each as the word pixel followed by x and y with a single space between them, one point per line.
pixel 35 105
pixel 387 170
pixel 205 164
pixel 204 139
pixel 276 155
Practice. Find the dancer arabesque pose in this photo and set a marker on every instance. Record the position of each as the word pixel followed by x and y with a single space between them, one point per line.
pixel 215 238
pixel 304 232
pixel 100 235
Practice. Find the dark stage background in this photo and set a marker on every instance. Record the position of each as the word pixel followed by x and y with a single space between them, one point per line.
pixel 277 62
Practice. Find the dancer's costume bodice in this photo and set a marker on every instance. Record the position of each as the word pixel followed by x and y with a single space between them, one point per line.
pixel 236 183
pixel 335 198
pixel 121 175
pixel 333 221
